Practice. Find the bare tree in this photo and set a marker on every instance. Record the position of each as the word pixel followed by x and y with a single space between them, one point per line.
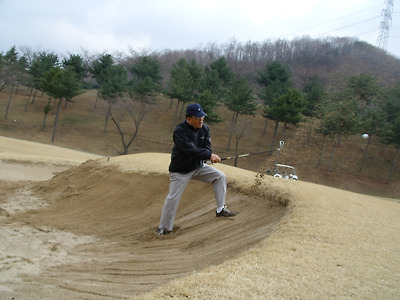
pixel 133 109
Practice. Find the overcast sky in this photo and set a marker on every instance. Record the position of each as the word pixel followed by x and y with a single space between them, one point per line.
pixel 68 26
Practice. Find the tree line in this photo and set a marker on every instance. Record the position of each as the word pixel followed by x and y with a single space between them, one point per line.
pixel 130 85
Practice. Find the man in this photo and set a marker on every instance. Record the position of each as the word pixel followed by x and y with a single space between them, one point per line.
pixel 192 146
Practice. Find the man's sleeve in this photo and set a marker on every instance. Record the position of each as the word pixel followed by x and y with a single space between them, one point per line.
pixel 207 139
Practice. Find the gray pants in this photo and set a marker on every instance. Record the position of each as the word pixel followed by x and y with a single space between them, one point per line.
pixel 178 183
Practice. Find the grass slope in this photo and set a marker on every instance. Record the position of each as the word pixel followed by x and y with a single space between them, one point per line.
pixel 93 236
pixel 81 126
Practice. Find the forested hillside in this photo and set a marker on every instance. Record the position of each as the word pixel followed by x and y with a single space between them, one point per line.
pixel 319 96
pixel 332 59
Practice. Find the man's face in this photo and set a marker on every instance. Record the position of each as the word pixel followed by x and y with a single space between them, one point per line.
pixel 195 122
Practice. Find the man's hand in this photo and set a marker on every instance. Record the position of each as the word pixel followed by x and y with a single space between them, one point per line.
pixel 215 158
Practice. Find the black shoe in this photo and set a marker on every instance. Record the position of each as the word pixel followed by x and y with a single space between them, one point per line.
pixel 162 231
pixel 225 213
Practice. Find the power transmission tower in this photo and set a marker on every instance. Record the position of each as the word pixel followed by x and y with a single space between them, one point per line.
pixel 385 25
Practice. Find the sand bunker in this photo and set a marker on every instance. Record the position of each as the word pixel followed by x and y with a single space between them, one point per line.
pixel 89 232
pixel 107 213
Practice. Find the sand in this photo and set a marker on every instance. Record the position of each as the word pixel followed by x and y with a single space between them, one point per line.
pixel 75 225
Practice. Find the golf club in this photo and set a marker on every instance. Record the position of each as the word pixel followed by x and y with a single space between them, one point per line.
pixel 281 143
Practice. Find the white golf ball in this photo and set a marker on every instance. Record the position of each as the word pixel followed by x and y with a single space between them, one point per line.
pixel 365 136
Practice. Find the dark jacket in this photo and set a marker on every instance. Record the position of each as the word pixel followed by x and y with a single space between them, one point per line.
pixel 191 147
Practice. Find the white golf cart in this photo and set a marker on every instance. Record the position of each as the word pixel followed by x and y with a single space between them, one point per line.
pixel 285 171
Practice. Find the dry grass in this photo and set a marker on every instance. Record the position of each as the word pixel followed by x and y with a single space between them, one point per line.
pixel 331 244
pixel 81 127
pixel 328 244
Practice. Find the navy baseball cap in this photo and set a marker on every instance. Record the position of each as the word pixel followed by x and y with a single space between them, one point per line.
pixel 195 110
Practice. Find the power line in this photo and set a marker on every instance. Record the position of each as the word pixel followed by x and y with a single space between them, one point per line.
pixel 338 19
pixel 350 25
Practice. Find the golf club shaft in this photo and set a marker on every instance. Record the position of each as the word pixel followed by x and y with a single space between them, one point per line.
pixel 281 143
pixel 248 154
